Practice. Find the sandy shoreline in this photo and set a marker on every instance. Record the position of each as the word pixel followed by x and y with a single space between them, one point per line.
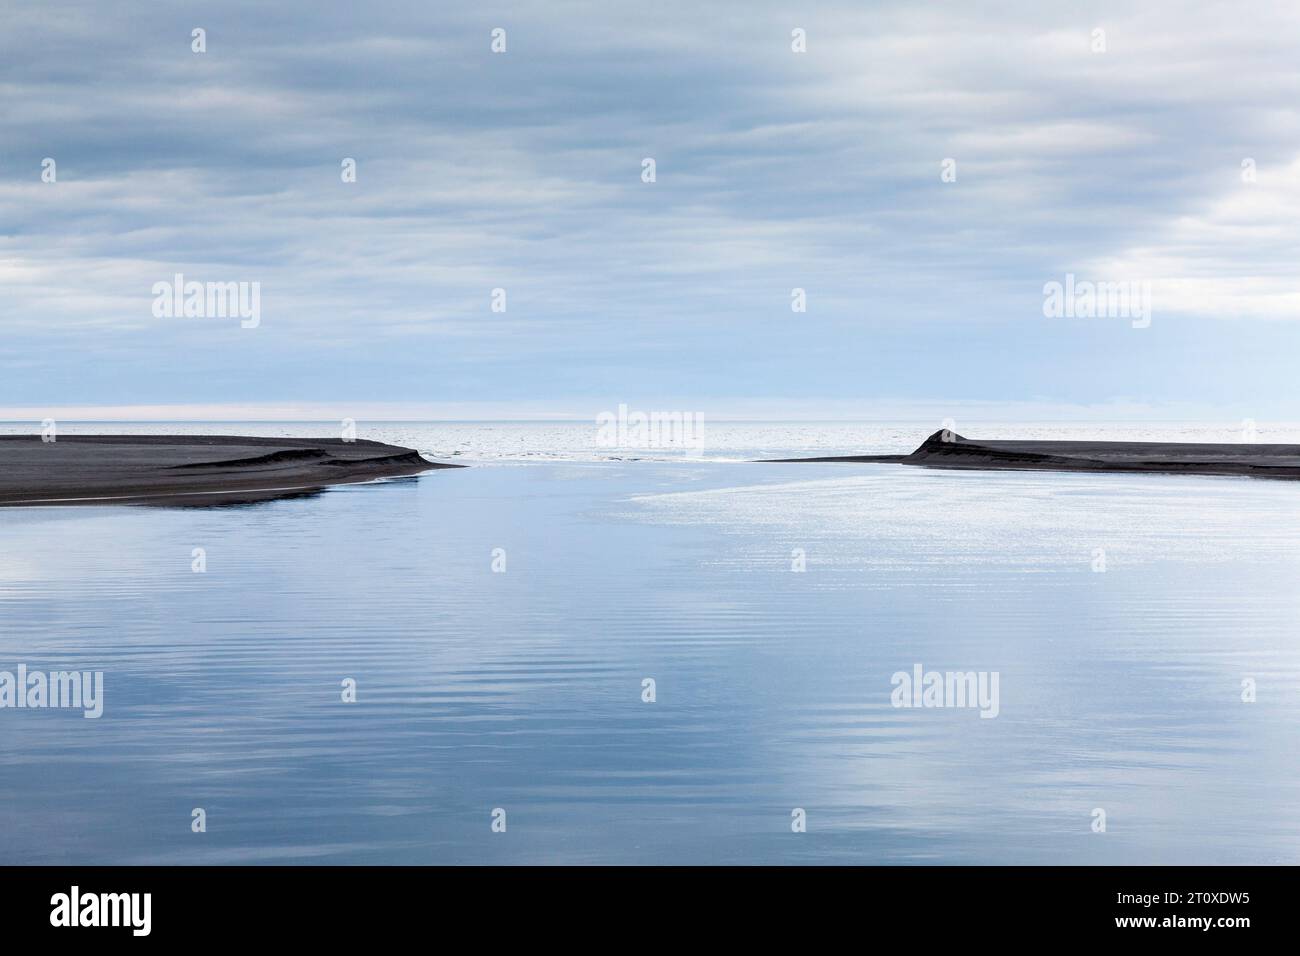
pixel 946 449
pixel 189 469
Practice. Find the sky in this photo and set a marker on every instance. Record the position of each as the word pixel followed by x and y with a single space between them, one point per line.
pixel 1113 157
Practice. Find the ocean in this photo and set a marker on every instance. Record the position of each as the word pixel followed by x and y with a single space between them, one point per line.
pixel 572 654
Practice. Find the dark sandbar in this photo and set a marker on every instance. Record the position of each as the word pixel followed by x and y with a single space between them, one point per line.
pixel 96 469
pixel 946 449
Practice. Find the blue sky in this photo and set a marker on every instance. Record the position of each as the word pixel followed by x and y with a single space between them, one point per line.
pixel 775 170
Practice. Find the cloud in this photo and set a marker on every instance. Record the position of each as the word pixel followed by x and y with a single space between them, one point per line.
pixel 522 171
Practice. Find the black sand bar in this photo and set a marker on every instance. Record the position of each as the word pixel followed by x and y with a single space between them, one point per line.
pixel 947 449
pixel 98 469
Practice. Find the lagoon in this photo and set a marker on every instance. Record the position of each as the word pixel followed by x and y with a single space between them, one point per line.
pixel 522 689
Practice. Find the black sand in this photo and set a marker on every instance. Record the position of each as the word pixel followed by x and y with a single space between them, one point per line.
pixel 189 469
pixel 946 449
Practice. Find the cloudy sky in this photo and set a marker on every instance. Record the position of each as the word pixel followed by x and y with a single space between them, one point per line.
pixel 775 170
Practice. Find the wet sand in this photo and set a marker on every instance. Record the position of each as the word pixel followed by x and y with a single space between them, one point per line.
pixel 189 469
pixel 946 449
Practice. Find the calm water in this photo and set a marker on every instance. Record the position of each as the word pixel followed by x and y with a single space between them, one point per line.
pixel 523 690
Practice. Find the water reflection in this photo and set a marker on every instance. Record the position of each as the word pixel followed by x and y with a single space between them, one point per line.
pixel 522 688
